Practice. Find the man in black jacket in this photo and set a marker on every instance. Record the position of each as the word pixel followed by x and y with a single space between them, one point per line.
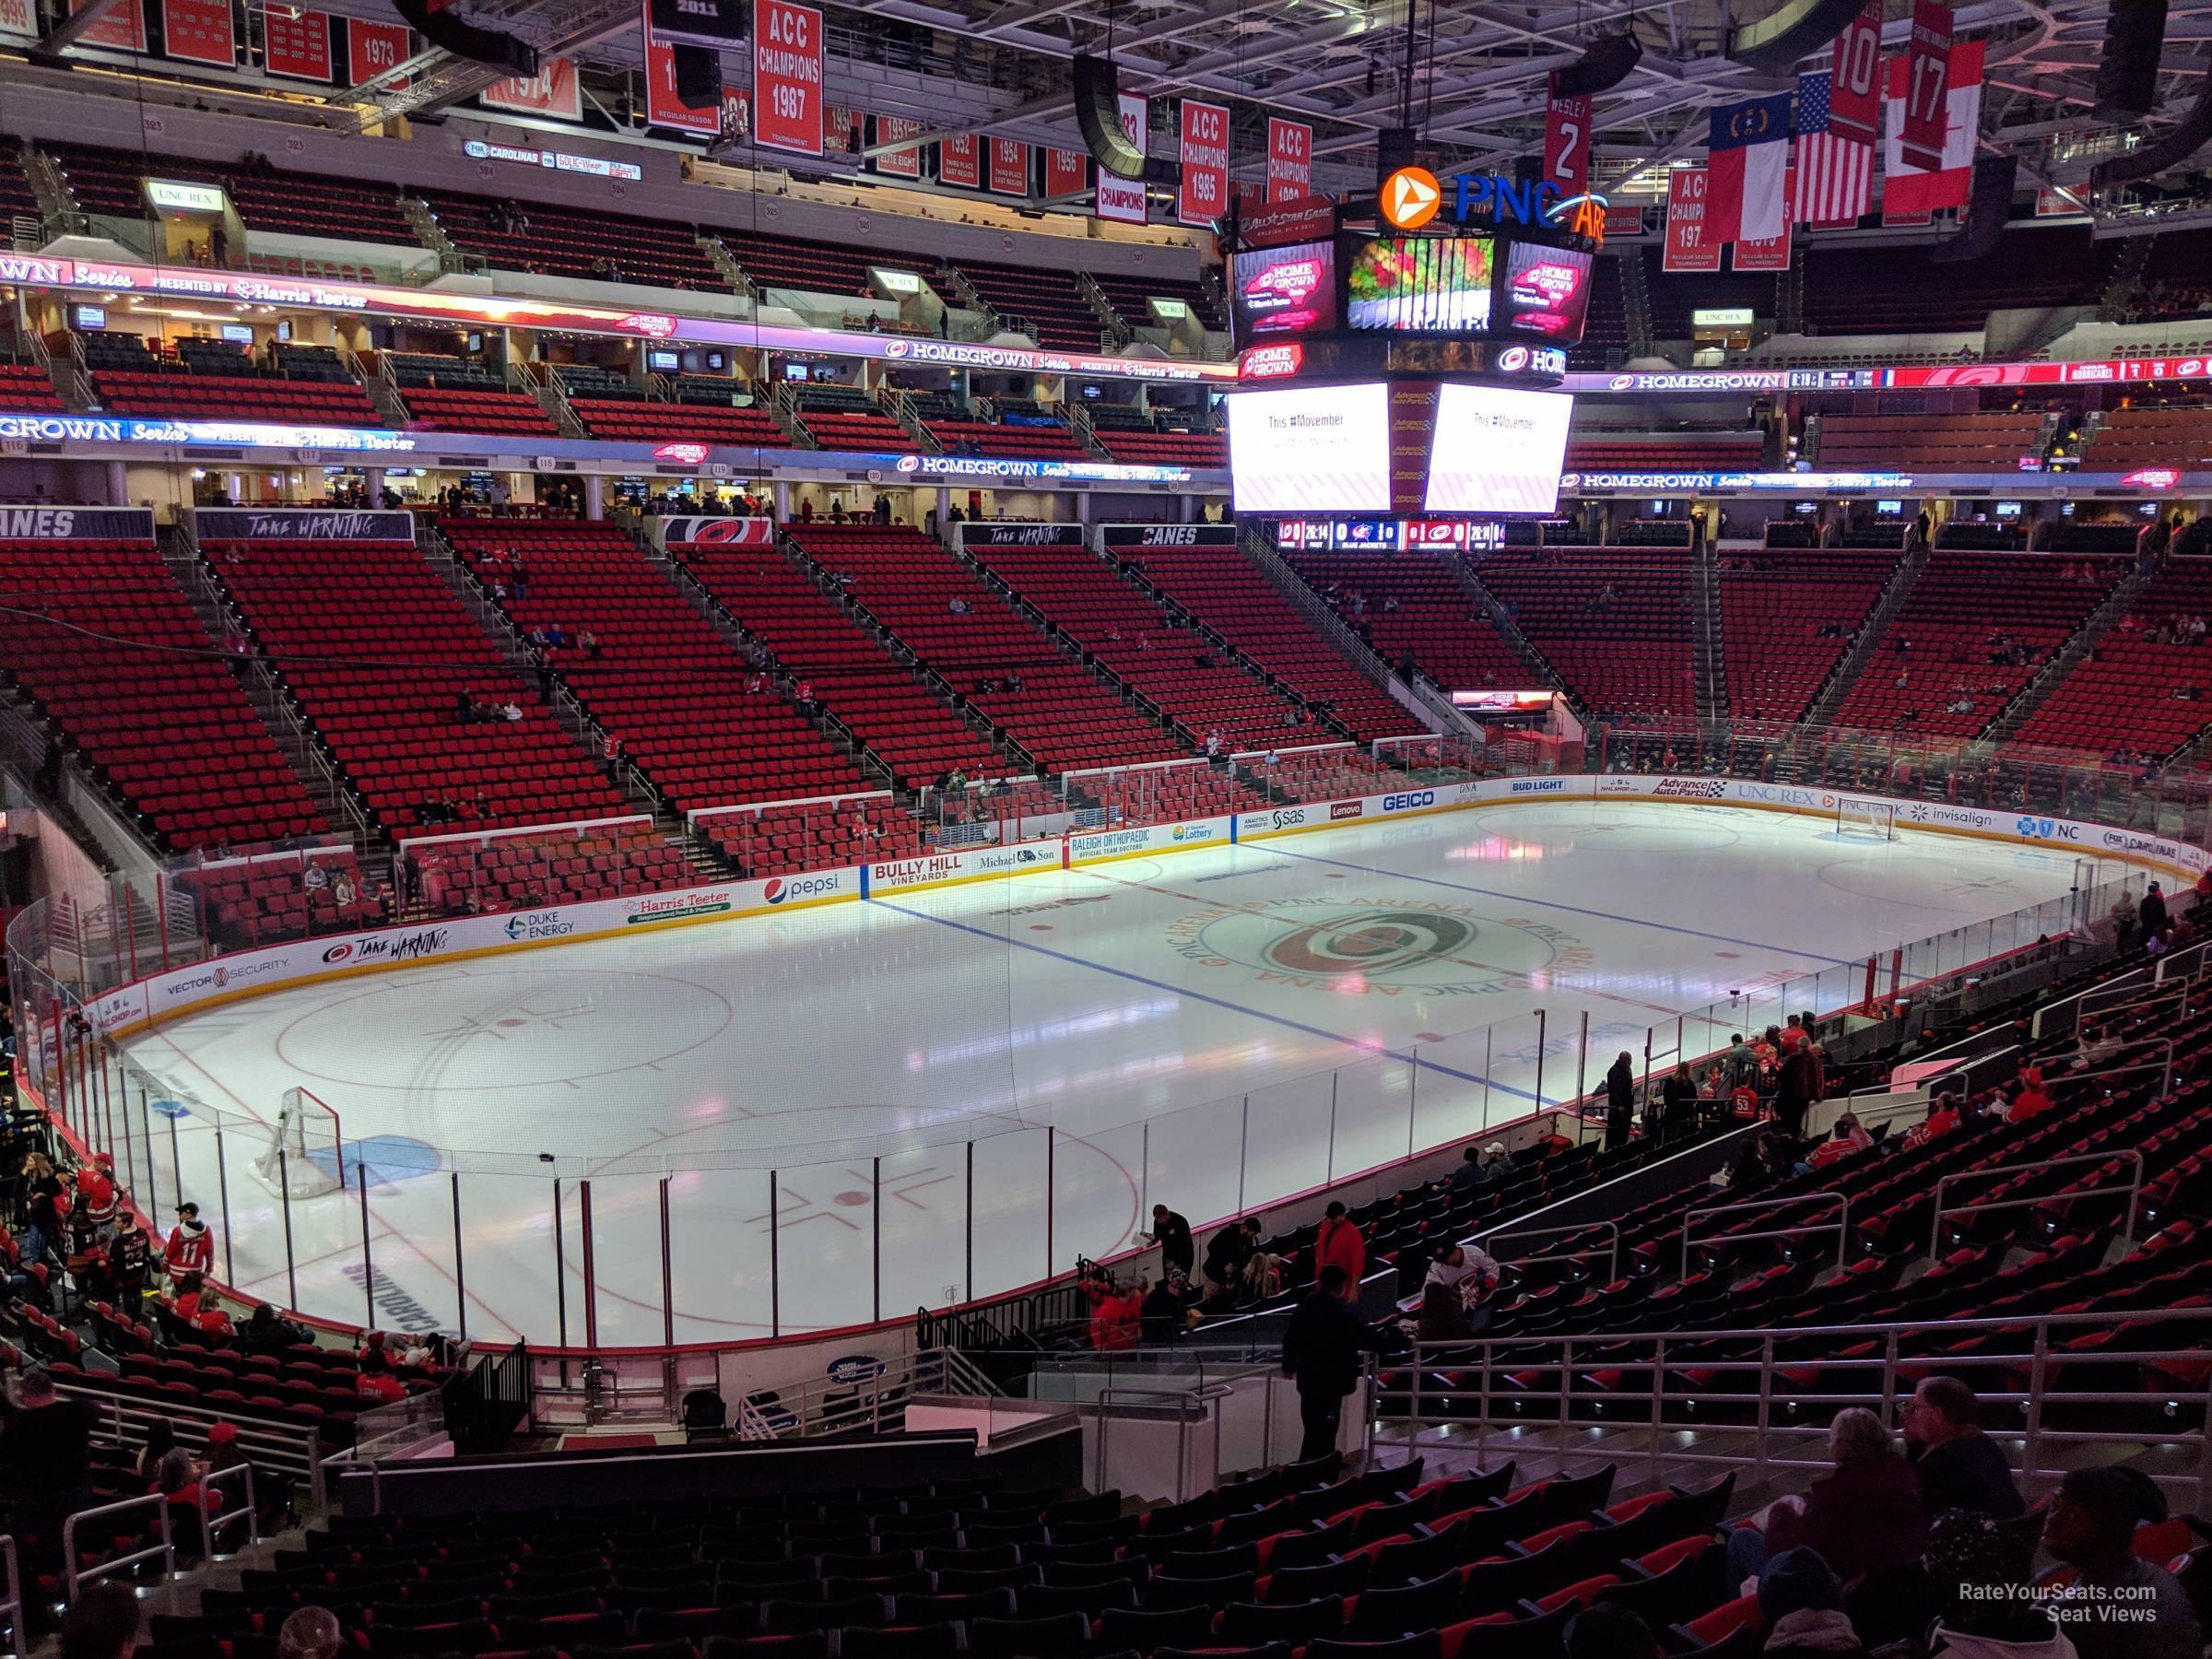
pixel 1172 1234
pixel 1959 1467
pixel 1620 1100
pixel 1322 1346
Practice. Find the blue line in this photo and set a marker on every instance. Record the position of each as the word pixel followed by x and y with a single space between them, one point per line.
pixel 1572 910
pixel 1218 1002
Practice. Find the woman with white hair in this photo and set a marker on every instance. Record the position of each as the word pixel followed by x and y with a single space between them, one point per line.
pixel 1866 1513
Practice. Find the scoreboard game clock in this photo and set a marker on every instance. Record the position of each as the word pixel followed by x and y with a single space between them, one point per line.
pixel 1400 358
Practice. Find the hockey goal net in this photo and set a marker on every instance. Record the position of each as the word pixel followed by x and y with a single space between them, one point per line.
pixel 306 1154
pixel 1863 818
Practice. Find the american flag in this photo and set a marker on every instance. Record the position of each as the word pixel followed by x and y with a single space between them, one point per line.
pixel 1835 175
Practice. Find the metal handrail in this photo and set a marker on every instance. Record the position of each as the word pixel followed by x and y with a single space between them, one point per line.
pixel 214 1523
pixel 2134 1191
pixel 1781 1201
pixel 11 1600
pixel 1486 1241
pixel 1477 1359
pixel 78 1575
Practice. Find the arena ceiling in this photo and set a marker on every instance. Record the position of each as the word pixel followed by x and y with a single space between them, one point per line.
pixel 1477 71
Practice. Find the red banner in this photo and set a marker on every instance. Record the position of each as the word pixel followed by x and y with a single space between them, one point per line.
pixel 19 18
pixel 1009 166
pixel 662 107
pixel 1773 254
pixel 1623 218
pixel 1124 200
pixel 737 113
pixel 961 161
pixel 898 164
pixel 787 77
pixel 198 32
pixel 121 27
pixel 1067 172
pixel 1927 85
pixel 373 48
pixel 1854 96
pixel 297 46
pixel 553 90
pixel 1687 247
pixel 1567 143
pixel 1290 159
pixel 1205 195
pixel 842 129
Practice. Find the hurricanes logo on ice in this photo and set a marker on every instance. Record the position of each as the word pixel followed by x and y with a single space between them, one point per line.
pixel 1375 947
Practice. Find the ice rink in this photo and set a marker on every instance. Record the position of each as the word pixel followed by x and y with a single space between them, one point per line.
pixel 958 1089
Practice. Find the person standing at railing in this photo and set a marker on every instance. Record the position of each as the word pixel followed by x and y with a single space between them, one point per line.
pixel 190 1252
pixel 1322 1346
pixel 1171 1232
pixel 1620 1101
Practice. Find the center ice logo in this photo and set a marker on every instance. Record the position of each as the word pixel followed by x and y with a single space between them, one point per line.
pixel 1376 942
pixel 1375 947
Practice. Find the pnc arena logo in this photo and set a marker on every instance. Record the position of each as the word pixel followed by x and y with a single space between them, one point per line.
pixel 1409 198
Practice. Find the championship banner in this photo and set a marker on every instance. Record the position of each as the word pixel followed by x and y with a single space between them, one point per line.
pixel 898 164
pixel 1067 172
pixel 1688 249
pixel 960 161
pixel 1927 85
pixel 714 23
pixel 840 129
pixel 1623 218
pixel 297 46
pixel 1773 252
pixel 299 523
pixel 1009 166
pixel 17 17
pixel 1567 142
pixel 553 91
pixel 1290 159
pixel 1204 194
pixel 663 107
pixel 78 524
pixel 1123 200
pixel 737 113
pixel 375 49
pixel 121 28
pixel 199 31
pixel 787 77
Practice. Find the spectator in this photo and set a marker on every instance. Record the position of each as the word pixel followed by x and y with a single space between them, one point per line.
pixel 1164 1314
pixel 1801 1606
pixel 1679 1104
pixel 2092 1527
pixel 1943 1117
pixel 1228 1256
pixel 101 1623
pixel 1479 1168
pixel 191 1247
pixel 376 1381
pixel 1847 1136
pixel 1322 1346
pixel 43 1212
pixel 45 1469
pixel 2152 918
pixel 1799 1084
pixel 129 1254
pixel 1172 1234
pixel 1604 1631
pixel 310 1633
pixel 1338 1244
pixel 1959 1466
pixel 2032 1102
pixel 96 1187
pixel 1468 1271
pixel 161 1441
pixel 1978 1572
pixel 267 1333
pixel 1620 1100
pixel 1864 1514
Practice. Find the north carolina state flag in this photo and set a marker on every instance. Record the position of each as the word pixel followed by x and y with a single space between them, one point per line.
pixel 1907 189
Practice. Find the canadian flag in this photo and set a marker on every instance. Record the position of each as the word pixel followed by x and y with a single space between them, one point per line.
pixel 1909 188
